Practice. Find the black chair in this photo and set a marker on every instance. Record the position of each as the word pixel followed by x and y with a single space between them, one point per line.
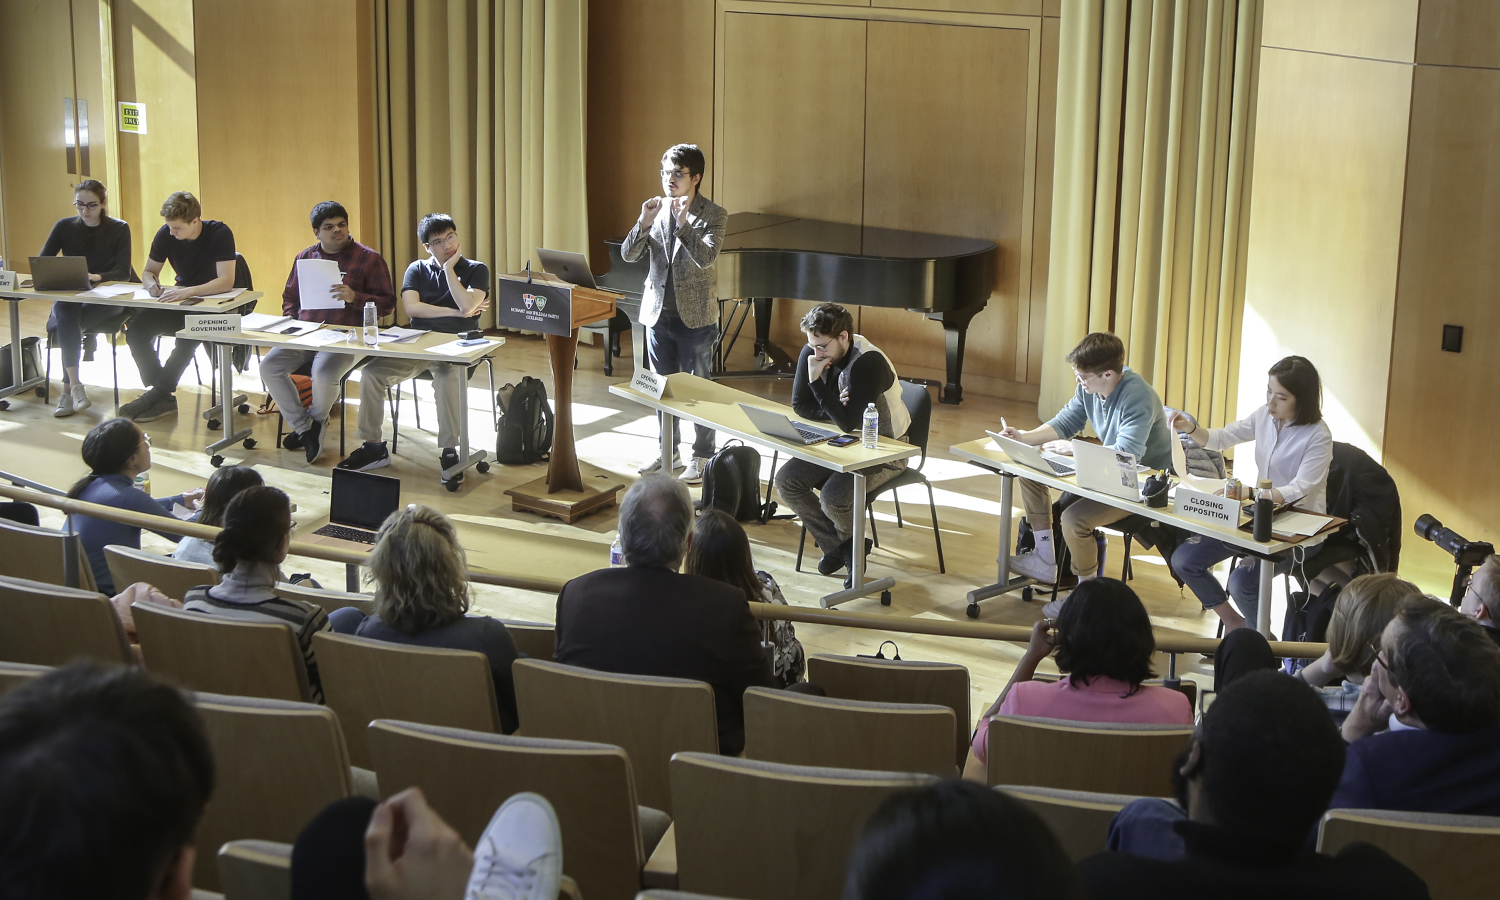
pixel 426 375
pixel 111 327
pixel 918 405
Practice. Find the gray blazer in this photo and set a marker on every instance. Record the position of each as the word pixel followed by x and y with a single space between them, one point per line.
pixel 695 274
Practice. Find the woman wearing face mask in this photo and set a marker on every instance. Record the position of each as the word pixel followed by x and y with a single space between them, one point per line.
pixel 1293 448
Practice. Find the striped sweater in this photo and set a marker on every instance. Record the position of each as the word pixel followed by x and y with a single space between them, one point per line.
pixel 245 595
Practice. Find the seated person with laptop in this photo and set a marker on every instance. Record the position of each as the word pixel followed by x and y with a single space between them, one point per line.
pixel 839 373
pixel 1126 413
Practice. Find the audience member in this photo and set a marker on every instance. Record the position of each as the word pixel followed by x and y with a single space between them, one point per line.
pixel 954 840
pixel 1104 643
pixel 20 511
pixel 249 551
pixel 116 451
pixel 720 550
pixel 1242 651
pixel 422 598
pixel 1424 735
pixel 647 619
pixel 104 773
pixel 1253 785
pixel 1363 608
pixel 223 486
pixel 1481 602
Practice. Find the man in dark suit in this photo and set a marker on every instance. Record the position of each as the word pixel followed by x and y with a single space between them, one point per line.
pixel 647 619
pixel 1424 735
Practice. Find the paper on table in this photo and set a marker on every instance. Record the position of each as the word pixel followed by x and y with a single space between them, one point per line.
pixel 322 337
pixel 225 295
pixel 111 290
pixel 315 278
pixel 454 348
pixel 261 321
pixel 182 512
pixel 1299 523
pixel 292 326
pixel 398 335
pixel 1179 465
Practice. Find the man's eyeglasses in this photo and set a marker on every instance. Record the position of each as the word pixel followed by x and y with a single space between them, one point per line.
pixel 675 174
pixel 1085 377
pixel 1378 651
pixel 86 207
pixel 443 241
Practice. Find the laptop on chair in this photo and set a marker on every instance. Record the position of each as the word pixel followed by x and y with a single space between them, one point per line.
pixel 59 273
pixel 777 425
pixel 360 502
pixel 570 267
pixel 1108 471
pixel 1027 455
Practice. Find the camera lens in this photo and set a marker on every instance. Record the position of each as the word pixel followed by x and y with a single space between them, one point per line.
pixel 1425 526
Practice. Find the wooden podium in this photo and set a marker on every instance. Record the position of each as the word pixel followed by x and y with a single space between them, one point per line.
pixel 535 301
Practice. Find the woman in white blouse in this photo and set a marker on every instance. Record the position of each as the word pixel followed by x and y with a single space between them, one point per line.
pixel 1293 448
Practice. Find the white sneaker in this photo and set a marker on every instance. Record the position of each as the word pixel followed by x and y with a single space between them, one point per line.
pixel 694 472
pixel 1033 566
pixel 1051 609
pixel 519 856
pixel 72 399
pixel 655 465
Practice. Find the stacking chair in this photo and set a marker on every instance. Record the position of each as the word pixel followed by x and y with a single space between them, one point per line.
pixel 343 404
pixel 1107 757
pixel 17 674
pixel 649 717
pixel 803 730
pixel 40 554
pixel 1080 819
pixel 111 327
pixel 897 681
pixel 1453 854
pixel 173 577
pixel 537 640
pixel 48 625
pixel 255 870
pixel 205 652
pixel 329 600
pixel 277 764
pixel 416 402
pixel 466 775
pixel 766 831
pixel 364 680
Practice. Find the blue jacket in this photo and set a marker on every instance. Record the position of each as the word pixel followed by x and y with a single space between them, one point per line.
pixel 1130 419
pixel 119 492
pixel 1423 771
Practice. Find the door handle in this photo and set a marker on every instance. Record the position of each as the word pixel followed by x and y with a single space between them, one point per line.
pixel 70 136
pixel 83 138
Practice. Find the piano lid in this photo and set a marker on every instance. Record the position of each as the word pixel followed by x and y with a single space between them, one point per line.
pixel 760 231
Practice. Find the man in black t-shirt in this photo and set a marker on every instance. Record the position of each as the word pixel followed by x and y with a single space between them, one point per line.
pixel 202 254
pixel 446 293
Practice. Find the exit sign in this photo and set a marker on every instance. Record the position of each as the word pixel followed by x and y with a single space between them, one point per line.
pixel 133 118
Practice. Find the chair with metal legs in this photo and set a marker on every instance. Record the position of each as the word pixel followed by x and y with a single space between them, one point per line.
pixel 426 375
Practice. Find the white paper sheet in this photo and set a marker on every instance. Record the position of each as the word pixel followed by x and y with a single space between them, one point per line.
pixel 398 335
pixel 315 277
pixel 1300 523
pixel 261 321
pixel 453 348
pixel 111 290
pixel 322 338
pixel 225 295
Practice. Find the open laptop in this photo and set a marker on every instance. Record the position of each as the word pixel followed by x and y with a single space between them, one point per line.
pixel 777 425
pixel 360 503
pixel 59 273
pixel 1107 471
pixel 570 267
pixel 1027 455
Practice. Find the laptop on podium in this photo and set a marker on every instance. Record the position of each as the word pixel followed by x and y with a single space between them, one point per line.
pixel 359 503
pixel 570 267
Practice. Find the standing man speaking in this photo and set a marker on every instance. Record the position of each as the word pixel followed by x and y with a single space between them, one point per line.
pixel 680 308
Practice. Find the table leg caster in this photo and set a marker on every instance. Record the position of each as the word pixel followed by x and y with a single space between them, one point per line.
pixel 244 409
pixel 483 467
pixel 217 460
pixel 973 611
pixel 452 485
pixel 214 424
pixel 249 444
pixel 885 598
pixel 4 405
pixel 1026 594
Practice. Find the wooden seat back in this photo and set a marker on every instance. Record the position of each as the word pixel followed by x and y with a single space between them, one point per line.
pixel 48 625
pixel 1079 819
pixel 1104 757
pixel 803 730
pixel 898 681
pixel 173 577
pixel 255 870
pixel 537 640
pixel 205 652
pixel 1454 854
pixel 14 675
pixel 38 554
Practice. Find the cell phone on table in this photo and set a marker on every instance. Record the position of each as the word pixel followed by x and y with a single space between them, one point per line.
pixel 471 342
pixel 842 440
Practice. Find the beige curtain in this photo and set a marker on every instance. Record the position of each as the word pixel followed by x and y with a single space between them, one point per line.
pixel 481 114
pixel 1151 203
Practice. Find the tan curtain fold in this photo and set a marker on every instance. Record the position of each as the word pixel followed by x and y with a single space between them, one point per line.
pixel 482 115
pixel 1150 198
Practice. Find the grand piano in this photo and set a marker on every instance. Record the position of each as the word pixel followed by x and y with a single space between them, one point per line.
pixel 947 279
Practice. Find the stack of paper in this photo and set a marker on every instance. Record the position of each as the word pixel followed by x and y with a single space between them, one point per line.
pixel 315 281
pixel 110 290
pixel 398 335
pixel 322 337
pixel 261 321
pixel 224 295
pixel 460 348
pixel 1298 523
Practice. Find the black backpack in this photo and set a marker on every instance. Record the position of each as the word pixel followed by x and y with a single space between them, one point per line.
pixel 731 482
pixel 525 423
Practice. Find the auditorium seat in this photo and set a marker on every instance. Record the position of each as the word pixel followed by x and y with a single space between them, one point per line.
pixel 277 764
pixel 204 652
pixel 1106 757
pixel 49 625
pixel 17 674
pixel 329 600
pixel 765 831
pixel 255 870
pixel 897 681
pixel 649 717
pixel 173 577
pixel 364 680
pixel 1454 854
pixel 37 554
pixel 1079 819
pixel 466 775
pixel 803 730
pixel 537 640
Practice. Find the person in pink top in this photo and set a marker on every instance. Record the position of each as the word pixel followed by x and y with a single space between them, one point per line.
pixel 1104 643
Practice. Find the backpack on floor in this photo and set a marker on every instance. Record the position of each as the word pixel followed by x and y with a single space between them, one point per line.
pixel 525 434
pixel 731 482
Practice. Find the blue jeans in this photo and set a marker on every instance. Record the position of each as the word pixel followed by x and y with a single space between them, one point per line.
pixel 673 347
pixel 1194 561
pixel 71 320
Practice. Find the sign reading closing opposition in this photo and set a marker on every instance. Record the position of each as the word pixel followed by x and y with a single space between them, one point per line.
pixel 1209 508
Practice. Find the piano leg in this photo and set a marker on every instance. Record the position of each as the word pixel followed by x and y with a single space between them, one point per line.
pixel 770 360
pixel 955 333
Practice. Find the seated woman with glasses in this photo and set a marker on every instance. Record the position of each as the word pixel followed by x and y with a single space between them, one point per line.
pixel 1104 644
pixel 422 598
pixel 1363 608
pixel 116 451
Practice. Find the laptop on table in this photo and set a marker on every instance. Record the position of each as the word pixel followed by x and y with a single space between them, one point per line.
pixel 360 502
pixel 1108 471
pixel 1027 455
pixel 60 273
pixel 777 425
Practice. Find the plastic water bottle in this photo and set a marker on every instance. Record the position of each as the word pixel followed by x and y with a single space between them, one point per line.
pixel 616 554
pixel 143 482
pixel 372 325
pixel 872 427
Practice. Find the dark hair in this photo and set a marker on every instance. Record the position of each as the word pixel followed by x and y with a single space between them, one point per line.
pixel 689 155
pixel 223 486
pixel 434 223
pixel 721 551
pixel 328 209
pixel 1447 665
pixel 1098 352
pixel 655 518
pixel 257 520
pixel 827 319
pixel 104 773
pixel 1300 379
pixel 106 449
pixel 956 840
pixel 93 187
pixel 1103 631
pixel 1270 758
pixel 181 206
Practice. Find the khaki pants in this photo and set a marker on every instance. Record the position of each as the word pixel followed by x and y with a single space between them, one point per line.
pixel 448 383
pixel 1078 523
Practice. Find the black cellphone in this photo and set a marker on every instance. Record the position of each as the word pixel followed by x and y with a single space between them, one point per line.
pixel 842 440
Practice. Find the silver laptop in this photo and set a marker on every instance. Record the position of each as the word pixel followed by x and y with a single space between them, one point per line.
pixel 1107 471
pixel 570 267
pixel 777 425
pixel 1027 455
pixel 358 504
pixel 59 273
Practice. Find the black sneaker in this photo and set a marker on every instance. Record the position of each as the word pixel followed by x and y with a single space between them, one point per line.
pixel 160 404
pixel 832 562
pixel 312 441
pixel 292 441
pixel 133 408
pixel 367 456
pixel 448 460
pixel 846 550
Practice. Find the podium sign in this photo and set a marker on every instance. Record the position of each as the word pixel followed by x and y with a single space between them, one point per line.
pixel 536 306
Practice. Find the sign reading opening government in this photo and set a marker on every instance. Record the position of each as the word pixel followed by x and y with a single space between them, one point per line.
pixel 535 307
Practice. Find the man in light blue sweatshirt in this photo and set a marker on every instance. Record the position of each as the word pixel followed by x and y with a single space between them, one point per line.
pixel 1127 415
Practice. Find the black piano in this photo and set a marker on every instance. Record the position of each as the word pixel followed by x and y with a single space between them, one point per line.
pixel 947 279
